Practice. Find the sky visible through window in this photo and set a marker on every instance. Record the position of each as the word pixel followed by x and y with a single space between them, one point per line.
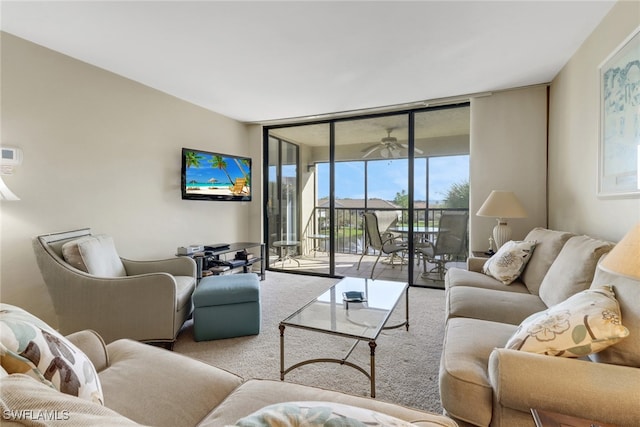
pixel 388 177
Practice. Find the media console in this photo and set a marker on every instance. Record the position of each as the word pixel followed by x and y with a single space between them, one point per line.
pixel 225 256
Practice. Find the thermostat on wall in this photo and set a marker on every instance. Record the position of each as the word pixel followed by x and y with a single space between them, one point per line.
pixel 11 156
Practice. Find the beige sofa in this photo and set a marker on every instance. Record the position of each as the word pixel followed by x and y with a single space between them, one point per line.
pixel 147 385
pixel 484 384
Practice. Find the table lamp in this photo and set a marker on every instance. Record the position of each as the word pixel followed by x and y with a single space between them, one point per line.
pixel 624 258
pixel 502 205
pixel 6 193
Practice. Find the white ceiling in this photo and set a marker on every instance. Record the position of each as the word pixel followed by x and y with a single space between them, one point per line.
pixel 257 61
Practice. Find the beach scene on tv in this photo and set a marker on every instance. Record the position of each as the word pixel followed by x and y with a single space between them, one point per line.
pixel 217 175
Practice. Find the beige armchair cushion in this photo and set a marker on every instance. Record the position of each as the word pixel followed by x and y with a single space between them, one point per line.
pixel 95 255
pixel 573 269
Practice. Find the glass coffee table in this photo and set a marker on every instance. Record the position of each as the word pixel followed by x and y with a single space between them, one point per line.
pixel 362 320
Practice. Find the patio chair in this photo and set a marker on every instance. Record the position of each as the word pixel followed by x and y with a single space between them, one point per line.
pixel 385 243
pixel 451 241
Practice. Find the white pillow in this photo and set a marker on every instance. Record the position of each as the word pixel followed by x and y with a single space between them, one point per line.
pixel 294 414
pixel 507 264
pixel 585 323
pixel 95 255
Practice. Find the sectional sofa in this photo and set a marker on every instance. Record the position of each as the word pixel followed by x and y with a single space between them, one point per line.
pixel 48 379
pixel 503 346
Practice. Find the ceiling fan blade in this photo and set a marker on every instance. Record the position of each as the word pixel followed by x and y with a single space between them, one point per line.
pixel 371 150
pixel 417 150
pixel 371 147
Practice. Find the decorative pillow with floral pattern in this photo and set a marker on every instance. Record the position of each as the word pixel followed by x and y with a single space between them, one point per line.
pixel 585 323
pixel 30 346
pixel 509 262
pixel 290 414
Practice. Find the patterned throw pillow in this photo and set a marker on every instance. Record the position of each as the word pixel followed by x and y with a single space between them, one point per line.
pixel 30 346
pixel 507 264
pixel 585 323
pixel 318 414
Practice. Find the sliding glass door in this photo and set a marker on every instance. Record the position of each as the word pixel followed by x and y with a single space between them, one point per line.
pixel 406 168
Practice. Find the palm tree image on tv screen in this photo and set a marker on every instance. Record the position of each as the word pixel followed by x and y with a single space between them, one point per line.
pixel 214 176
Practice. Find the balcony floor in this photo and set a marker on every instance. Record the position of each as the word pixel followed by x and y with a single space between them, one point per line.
pixel 347 266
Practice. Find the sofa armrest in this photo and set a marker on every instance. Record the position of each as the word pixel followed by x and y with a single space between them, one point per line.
pixel 178 266
pixel 598 391
pixel 475 263
pixel 91 344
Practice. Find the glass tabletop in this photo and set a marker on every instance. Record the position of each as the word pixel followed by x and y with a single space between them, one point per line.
pixel 329 313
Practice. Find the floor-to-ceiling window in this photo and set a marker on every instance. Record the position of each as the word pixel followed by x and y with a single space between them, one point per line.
pixel 405 167
pixel 282 207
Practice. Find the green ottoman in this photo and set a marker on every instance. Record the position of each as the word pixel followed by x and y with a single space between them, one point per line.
pixel 226 306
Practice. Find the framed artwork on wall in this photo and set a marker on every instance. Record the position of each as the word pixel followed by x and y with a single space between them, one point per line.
pixel 619 153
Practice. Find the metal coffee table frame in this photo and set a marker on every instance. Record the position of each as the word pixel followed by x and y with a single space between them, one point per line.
pixel 382 298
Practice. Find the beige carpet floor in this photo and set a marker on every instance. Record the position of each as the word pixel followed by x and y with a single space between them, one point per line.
pixel 406 361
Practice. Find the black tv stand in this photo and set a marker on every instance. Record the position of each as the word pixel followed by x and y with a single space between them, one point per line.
pixel 217 255
pixel 216 247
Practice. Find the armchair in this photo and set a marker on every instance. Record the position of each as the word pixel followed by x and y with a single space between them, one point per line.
pixel 93 288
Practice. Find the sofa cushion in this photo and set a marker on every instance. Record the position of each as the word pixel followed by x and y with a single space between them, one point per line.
pixel 585 323
pixel 461 277
pixel 30 346
pixel 255 394
pixel 573 269
pixel 95 255
pixel 294 414
pixel 510 260
pixel 627 351
pixel 168 398
pixel 548 246
pixel 491 304
pixel 465 389
pixel 23 395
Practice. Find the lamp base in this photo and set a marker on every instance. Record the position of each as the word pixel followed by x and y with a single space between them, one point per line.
pixel 501 233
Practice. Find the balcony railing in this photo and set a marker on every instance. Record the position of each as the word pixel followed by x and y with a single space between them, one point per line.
pixel 349 235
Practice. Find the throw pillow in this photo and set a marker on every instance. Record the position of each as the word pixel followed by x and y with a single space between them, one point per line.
pixel 95 255
pixel 318 414
pixel 507 264
pixel 573 269
pixel 585 323
pixel 30 346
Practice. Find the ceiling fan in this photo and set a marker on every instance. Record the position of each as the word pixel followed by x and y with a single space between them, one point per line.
pixel 388 146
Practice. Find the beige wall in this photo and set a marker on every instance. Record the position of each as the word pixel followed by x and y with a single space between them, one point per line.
pixel 508 153
pixel 574 136
pixel 103 151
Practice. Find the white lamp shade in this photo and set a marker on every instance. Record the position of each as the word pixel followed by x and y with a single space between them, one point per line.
pixel 5 193
pixel 624 258
pixel 502 204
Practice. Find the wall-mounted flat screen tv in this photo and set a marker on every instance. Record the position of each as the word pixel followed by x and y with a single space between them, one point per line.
pixel 214 176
